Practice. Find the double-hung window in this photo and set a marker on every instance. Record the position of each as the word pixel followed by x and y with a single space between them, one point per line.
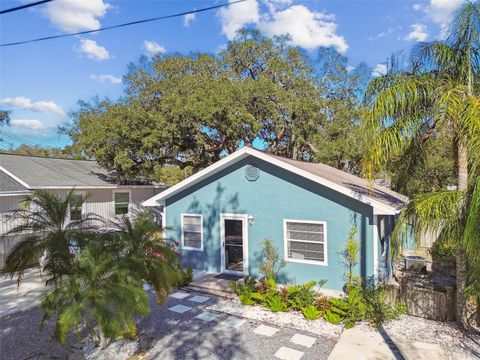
pixel 76 207
pixel 122 201
pixel 306 241
pixel 192 232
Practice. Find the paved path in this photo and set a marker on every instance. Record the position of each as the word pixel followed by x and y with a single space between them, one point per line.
pixel 15 298
pixel 357 343
pixel 183 329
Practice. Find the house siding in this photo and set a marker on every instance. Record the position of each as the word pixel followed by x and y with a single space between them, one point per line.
pixel 99 202
pixel 276 195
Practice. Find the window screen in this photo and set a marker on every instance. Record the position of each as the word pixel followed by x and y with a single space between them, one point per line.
pixel 305 241
pixel 192 231
pixel 122 199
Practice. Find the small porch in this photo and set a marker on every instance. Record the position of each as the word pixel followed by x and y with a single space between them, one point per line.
pixel 213 283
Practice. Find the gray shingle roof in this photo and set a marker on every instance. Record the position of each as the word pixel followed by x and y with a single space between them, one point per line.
pixel 39 172
pixel 352 182
pixel 7 184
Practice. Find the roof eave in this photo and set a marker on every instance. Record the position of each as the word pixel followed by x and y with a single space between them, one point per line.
pixel 379 208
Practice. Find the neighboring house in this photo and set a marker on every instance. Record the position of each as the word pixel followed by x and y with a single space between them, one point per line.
pixel 20 175
pixel 221 215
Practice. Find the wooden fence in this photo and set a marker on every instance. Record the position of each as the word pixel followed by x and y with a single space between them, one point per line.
pixel 434 304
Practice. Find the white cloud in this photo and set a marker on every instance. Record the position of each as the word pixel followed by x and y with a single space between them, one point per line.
pixel 152 48
pixel 106 77
pixel 30 124
pixel 379 70
pixel 24 103
pixel 187 19
pixel 236 16
pixel 76 15
pixel 93 50
pixel 417 7
pixel 387 32
pixel 441 12
pixel 307 29
pixel 418 33
pixel 275 5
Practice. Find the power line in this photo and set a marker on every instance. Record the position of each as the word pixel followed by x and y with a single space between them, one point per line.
pixel 20 139
pixel 121 25
pixel 24 6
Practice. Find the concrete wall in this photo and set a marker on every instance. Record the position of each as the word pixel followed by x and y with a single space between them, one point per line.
pixel 276 195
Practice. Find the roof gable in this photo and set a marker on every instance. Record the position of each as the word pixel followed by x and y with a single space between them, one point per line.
pixel 383 200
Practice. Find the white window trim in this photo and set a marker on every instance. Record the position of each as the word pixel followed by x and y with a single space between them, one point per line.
pixel 201 232
pixel 84 205
pixel 129 191
pixel 325 242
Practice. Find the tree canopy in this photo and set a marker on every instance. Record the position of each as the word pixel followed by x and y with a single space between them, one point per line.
pixel 186 112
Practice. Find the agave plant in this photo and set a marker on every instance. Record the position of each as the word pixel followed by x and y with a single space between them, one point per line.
pixel 438 92
pixel 47 230
pixel 99 293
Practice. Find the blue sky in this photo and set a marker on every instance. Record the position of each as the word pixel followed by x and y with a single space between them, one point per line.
pixel 41 82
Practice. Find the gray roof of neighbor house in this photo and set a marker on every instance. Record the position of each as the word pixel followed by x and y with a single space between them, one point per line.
pixel 35 172
pixel 350 181
pixel 9 184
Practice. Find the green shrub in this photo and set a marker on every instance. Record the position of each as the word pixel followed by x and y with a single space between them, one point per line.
pixel 311 313
pixel 351 255
pixel 332 318
pixel 271 263
pixel 186 276
pixel 350 309
pixel 246 298
pixel 274 302
pixel 249 285
pixel 302 296
pixel 379 309
pixel 322 303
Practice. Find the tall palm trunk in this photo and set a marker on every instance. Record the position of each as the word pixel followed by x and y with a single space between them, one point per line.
pixel 461 262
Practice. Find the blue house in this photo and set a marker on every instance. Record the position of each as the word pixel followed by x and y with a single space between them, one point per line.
pixel 222 214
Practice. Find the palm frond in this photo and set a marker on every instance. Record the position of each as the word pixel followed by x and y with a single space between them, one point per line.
pixel 435 212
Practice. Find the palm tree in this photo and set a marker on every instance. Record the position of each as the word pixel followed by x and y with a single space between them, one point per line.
pixel 100 294
pixel 140 247
pixel 48 229
pixel 407 107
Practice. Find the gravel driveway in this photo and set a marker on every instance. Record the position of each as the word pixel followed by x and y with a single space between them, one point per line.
pixel 167 334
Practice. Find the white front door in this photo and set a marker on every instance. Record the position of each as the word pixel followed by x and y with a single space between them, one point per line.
pixel 234 243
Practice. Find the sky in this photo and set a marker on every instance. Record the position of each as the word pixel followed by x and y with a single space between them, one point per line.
pixel 41 83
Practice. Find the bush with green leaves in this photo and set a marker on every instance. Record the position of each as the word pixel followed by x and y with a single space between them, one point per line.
pixel 274 302
pixel 379 309
pixel 301 296
pixel 311 312
pixel 351 255
pixel 271 263
pixel 99 293
pixel 350 309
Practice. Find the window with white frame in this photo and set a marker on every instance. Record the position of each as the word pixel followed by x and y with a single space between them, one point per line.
pixel 76 207
pixel 192 230
pixel 122 201
pixel 306 241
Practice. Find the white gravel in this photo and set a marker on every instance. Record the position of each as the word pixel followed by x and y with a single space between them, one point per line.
pixel 117 350
pixel 292 319
pixel 458 344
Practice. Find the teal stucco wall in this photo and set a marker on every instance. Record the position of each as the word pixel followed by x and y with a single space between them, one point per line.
pixel 276 195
